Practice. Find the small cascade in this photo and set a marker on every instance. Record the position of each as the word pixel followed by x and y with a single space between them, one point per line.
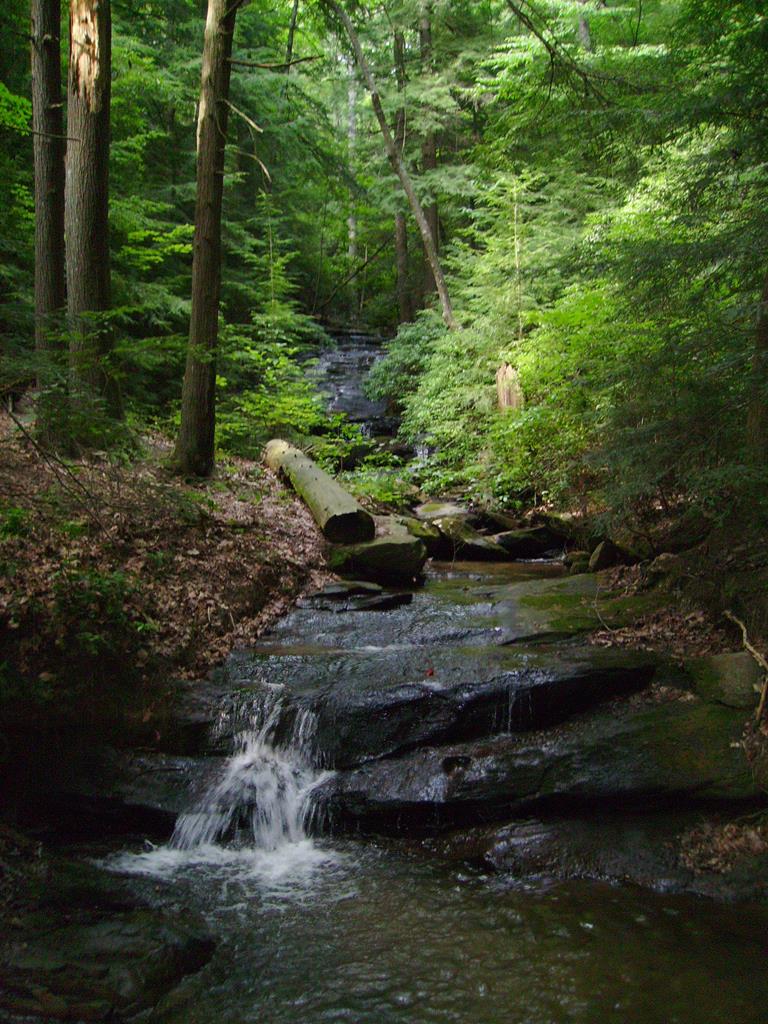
pixel 262 799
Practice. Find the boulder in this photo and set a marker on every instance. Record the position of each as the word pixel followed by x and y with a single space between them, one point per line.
pixel 640 755
pixel 575 556
pixel 578 566
pixel 394 556
pixel 731 679
pixel 81 947
pixel 605 556
pixel 466 543
pixel 531 542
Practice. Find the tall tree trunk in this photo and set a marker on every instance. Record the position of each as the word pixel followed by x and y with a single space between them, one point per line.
pixel 87 198
pixel 49 150
pixel 429 143
pixel 397 163
pixel 351 148
pixel 757 414
pixel 401 231
pixel 195 444
pixel 291 36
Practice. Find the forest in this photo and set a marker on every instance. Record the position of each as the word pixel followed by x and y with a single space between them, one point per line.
pixel 451 312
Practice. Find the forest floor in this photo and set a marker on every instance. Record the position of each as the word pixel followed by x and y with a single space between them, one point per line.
pixel 110 568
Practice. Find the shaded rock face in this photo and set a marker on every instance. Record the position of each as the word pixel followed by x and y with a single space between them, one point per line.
pixel 108 970
pixel 466 542
pixel 605 556
pixel 458 698
pixel 642 755
pixel 532 542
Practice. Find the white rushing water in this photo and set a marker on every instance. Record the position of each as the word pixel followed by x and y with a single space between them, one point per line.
pixel 253 818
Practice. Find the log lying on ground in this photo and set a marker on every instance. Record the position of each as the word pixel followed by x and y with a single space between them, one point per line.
pixel 336 512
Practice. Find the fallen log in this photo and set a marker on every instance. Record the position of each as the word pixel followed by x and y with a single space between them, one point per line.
pixel 336 512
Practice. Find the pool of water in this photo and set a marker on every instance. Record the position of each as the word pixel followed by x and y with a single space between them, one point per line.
pixel 330 930
pixel 341 931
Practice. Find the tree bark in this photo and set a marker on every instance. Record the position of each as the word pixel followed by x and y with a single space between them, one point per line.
pixel 401 231
pixel 757 413
pixel 351 151
pixel 335 511
pixel 429 143
pixel 49 150
pixel 397 163
pixel 195 444
pixel 87 198
pixel 291 36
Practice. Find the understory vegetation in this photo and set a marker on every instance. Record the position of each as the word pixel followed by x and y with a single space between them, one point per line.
pixel 593 177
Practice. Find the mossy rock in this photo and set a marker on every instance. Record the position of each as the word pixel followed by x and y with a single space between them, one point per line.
pixel 427 532
pixel 543 610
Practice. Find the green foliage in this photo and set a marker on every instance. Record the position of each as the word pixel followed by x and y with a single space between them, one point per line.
pixel 91 612
pixel 14 521
pixel 15 112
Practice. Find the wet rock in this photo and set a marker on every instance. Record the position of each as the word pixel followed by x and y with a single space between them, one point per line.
pixel 678 752
pixel 438 696
pixel 467 543
pixel 355 600
pixel 394 556
pixel 640 849
pixel 117 793
pixel 731 679
pixel 99 970
pixel 339 590
pixel 605 556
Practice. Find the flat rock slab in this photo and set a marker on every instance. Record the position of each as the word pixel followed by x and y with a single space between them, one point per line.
pixel 646 754
pixel 462 695
pixel 371 704
pixel 640 849
pixel 381 602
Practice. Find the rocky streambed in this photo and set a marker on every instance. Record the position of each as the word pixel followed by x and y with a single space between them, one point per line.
pixel 456 756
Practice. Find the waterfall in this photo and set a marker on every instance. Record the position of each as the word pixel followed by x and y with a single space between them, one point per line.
pixel 262 798
pixel 253 819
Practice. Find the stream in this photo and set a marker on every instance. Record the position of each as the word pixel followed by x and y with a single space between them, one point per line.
pixel 319 925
